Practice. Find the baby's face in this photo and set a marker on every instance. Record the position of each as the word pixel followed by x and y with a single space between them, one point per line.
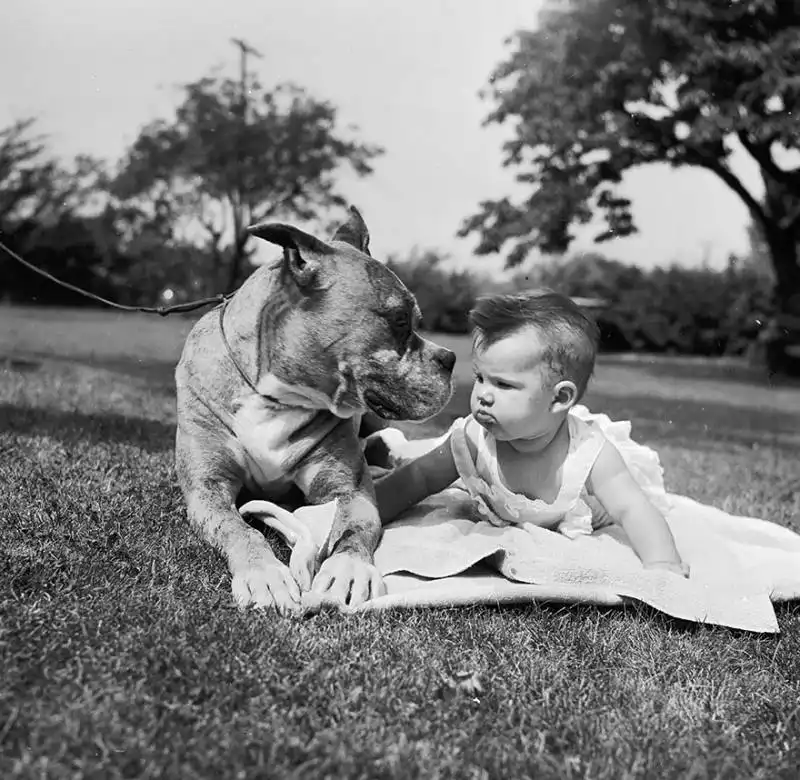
pixel 512 393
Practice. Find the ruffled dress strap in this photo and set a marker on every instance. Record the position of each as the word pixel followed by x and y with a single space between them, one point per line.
pixel 643 462
pixel 579 514
pixel 585 444
pixel 462 455
pixel 475 456
pixel 474 470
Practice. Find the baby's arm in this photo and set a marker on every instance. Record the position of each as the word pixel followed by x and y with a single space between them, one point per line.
pixel 616 489
pixel 417 479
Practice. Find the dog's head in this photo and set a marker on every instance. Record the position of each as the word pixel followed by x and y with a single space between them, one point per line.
pixel 346 326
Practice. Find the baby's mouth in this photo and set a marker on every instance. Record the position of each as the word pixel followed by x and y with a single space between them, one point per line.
pixel 482 416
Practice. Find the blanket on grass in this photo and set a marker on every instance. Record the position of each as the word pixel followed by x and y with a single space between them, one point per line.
pixel 437 555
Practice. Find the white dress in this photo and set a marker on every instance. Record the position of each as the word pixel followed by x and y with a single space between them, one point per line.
pixel 574 512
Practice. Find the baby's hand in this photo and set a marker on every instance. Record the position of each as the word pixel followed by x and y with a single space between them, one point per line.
pixel 681 569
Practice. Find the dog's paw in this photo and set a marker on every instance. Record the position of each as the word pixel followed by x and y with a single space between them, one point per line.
pixel 269 585
pixel 348 580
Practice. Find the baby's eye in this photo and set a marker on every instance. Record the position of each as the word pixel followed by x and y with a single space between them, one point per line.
pixel 503 385
pixel 477 377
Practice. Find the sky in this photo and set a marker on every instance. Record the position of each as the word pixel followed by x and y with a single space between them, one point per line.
pixel 407 73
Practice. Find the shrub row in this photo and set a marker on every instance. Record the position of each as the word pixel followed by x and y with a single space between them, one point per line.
pixel 678 310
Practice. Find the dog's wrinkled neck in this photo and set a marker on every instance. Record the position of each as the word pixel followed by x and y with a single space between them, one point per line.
pixel 304 397
pixel 241 321
pixel 247 380
pixel 277 368
pixel 303 375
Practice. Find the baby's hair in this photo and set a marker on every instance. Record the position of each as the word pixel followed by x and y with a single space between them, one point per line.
pixel 571 336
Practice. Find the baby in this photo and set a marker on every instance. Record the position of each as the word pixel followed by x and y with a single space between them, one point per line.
pixel 526 453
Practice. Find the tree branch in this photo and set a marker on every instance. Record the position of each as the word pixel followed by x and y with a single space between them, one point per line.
pixel 715 165
pixel 761 154
pixel 279 203
pixel 208 224
pixel 262 215
pixel 207 221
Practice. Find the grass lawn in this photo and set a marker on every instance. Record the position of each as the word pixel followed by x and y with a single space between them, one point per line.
pixel 121 654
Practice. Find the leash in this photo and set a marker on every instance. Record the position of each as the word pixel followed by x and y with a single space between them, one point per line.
pixel 162 311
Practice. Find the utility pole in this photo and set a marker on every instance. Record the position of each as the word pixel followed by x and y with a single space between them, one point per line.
pixel 239 201
pixel 244 50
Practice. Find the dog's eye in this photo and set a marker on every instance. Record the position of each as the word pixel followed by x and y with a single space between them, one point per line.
pixel 400 322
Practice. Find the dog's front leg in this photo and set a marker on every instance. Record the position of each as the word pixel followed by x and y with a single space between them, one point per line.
pixel 337 470
pixel 259 579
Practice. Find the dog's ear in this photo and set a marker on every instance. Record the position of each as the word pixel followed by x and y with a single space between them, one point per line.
pixel 290 237
pixel 301 250
pixel 354 232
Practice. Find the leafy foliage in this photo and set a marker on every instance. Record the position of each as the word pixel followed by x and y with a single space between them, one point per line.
pixel 35 187
pixel 445 296
pixel 698 311
pixel 223 164
pixel 49 212
pixel 129 236
pixel 65 221
pixel 679 310
pixel 605 85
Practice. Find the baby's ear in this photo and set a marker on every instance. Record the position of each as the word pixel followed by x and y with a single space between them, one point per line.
pixel 565 396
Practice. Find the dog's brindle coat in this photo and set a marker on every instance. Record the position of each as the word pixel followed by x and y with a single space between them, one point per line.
pixel 271 388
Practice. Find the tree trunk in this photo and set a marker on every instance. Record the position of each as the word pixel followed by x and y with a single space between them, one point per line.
pixel 782 337
pixel 215 279
pixel 780 340
pixel 235 262
pixel 783 246
pixel 782 234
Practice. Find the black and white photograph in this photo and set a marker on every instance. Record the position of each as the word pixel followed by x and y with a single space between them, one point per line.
pixel 400 389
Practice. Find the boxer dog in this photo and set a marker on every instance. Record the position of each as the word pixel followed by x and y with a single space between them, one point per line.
pixel 271 389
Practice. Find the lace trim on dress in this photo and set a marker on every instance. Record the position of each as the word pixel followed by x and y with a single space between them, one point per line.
pixel 569 513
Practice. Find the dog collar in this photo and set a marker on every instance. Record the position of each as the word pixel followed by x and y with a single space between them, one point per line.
pixel 228 349
pixel 252 385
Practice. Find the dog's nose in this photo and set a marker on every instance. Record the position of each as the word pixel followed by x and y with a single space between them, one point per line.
pixel 446 358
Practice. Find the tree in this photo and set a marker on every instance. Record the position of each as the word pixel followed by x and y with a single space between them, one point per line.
pixel 34 187
pixel 49 213
pixel 445 296
pixel 605 85
pixel 757 255
pixel 225 161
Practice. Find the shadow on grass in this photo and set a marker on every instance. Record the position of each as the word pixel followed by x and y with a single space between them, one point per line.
pixel 71 427
pixel 700 424
pixel 695 424
pixel 697 368
pixel 157 373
